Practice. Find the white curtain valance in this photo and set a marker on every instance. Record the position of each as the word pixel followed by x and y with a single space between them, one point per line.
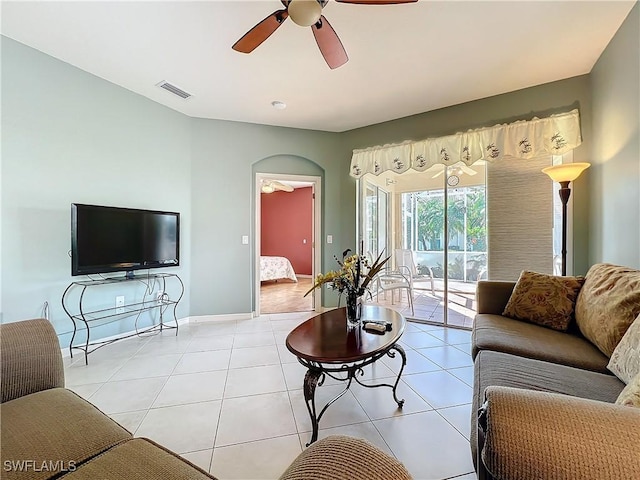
pixel 553 135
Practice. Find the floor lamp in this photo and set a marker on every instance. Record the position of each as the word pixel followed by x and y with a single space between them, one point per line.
pixel 564 174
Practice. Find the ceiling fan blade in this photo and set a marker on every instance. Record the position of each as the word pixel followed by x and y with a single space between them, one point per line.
pixel 467 170
pixel 329 43
pixel 376 2
pixel 258 34
pixel 281 186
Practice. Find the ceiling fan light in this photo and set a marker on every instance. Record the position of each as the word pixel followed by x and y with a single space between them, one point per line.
pixel 268 188
pixel 305 12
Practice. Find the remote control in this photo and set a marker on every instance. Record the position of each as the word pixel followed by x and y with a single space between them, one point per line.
pixel 376 327
pixel 386 325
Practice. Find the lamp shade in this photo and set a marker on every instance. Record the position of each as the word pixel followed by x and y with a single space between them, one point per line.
pixel 305 12
pixel 566 172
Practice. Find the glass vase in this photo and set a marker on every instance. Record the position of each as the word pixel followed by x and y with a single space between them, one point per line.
pixel 354 308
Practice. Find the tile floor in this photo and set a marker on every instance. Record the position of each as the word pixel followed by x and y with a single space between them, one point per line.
pixel 430 307
pixel 227 395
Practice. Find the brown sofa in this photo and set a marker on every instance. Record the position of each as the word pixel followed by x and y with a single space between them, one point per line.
pixel 49 432
pixel 543 400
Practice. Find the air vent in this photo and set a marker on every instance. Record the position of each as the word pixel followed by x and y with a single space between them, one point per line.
pixel 173 89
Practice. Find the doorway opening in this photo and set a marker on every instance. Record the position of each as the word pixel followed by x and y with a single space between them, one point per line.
pixel 287 233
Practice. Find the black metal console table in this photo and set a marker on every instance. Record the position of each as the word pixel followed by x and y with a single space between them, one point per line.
pixel 83 317
pixel 325 346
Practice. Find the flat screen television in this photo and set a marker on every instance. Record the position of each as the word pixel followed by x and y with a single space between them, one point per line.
pixel 112 239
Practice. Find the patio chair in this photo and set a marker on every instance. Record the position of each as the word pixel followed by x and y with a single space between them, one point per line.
pixel 392 280
pixel 407 265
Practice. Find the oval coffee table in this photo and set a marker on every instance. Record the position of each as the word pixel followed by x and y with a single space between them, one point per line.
pixel 325 346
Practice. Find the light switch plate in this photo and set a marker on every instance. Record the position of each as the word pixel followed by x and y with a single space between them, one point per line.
pixel 245 239
pixel 329 238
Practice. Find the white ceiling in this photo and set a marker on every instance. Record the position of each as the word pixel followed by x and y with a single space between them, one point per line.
pixel 404 59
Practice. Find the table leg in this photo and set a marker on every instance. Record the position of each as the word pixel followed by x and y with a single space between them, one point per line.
pixel 310 382
pixel 404 362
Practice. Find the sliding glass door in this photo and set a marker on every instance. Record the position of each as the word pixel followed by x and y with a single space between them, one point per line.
pixel 438 219
pixel 466 246
pixel 375 220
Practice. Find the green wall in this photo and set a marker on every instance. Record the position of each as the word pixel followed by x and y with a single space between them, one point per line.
pixel 615 173
pixel 225 157
pixel 539 101
pixel 68 136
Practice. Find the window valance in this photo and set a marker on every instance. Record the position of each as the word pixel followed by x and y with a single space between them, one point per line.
pixel 553 135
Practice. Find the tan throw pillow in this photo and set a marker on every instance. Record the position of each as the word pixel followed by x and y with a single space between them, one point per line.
pixel 544 299
pixel 625 361
pixel 631 394
pixel 607 304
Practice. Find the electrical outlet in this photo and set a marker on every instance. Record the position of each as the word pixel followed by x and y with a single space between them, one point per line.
pixel 120 304
pixel 159 295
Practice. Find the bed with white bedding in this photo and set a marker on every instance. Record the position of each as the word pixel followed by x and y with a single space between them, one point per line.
pixel 276 268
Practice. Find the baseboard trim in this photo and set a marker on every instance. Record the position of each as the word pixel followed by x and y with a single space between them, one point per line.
pixel 67 354
pixel 220 318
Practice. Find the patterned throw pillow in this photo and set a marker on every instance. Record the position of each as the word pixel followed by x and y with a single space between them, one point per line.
pixel 631 394
pixel 607 305
pixel 543 299
pixel 625 361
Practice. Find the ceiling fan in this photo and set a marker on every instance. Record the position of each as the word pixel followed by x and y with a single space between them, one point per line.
pixel 306 13
pixel 270 186
pixel 459 170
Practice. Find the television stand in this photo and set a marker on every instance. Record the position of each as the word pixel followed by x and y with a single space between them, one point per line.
pixel 87 317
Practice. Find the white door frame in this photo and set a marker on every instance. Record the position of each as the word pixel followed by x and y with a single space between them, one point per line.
pixel 316 233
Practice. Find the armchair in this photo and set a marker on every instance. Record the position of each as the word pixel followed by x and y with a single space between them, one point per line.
pixel 406 264
pixel 395 280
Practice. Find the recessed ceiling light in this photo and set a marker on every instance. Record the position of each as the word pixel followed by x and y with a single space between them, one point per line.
pixel 278 105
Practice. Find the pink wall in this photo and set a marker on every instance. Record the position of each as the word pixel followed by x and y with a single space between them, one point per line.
pixel 286 221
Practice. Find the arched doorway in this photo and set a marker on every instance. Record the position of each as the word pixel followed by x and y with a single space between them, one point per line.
pixel 288 251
